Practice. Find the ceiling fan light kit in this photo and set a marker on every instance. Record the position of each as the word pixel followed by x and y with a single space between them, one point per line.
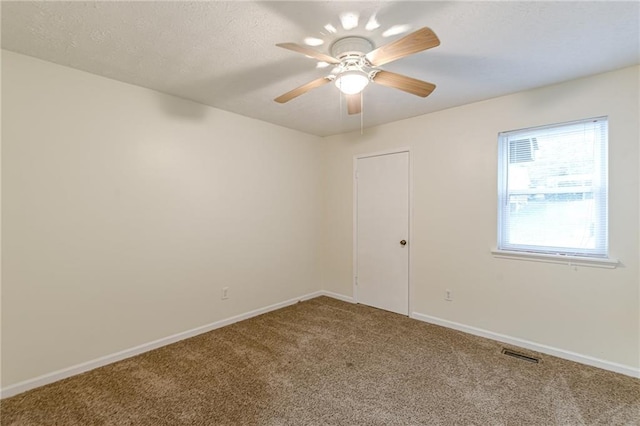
pixel 352 82
pixel 351 77
pixel 357 65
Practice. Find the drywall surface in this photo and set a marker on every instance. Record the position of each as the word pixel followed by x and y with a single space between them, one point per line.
pixel 126 211
pixel 590 311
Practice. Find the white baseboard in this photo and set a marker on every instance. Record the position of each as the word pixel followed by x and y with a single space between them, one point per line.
pixel 55 376
pixel 64 373
pixel 560 353
pixel 338 296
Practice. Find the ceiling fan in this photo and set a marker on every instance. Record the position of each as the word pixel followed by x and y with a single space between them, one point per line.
pixel 357 64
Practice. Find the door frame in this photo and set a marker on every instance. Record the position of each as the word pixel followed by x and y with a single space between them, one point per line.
pixel 355 220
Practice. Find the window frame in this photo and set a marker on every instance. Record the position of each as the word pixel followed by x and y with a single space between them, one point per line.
pixel 598 256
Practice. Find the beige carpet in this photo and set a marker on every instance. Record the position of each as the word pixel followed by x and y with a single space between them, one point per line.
pixel 326 362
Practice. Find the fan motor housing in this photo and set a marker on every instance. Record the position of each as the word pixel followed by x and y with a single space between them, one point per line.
pixel 351 46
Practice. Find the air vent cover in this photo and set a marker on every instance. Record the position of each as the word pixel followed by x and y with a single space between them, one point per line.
pixel 520 356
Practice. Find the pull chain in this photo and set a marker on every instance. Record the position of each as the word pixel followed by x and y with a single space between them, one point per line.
pixel 361 113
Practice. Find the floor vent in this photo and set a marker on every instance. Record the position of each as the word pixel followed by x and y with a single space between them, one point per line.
pixel 518 355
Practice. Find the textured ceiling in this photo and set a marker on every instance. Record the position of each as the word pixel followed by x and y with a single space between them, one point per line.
pixel 223 54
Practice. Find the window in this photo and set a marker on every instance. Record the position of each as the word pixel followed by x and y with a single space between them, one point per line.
pixel 552 189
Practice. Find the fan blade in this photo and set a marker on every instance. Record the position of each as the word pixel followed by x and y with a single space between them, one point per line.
pixel 402 82
pixel 309 52
pixel 415 42
pixel 302 90
pixel 354 103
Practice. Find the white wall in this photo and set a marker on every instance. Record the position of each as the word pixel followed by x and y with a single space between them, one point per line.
pixel 593 312
pixel 126 211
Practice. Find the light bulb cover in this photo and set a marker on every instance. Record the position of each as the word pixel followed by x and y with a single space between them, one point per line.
pixel 352 82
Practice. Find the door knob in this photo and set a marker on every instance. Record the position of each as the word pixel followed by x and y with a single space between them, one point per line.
pixel 403 242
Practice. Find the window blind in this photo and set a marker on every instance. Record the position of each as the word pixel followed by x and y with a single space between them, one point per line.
pixel 552 189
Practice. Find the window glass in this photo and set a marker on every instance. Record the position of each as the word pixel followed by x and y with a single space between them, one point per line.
pixel 553 189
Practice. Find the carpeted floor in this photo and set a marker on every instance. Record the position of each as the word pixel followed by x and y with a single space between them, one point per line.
pixel 326 362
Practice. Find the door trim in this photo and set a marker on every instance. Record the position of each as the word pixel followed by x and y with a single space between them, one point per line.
pixel 355 220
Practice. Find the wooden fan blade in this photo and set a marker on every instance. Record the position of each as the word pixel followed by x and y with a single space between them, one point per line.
pixel 415 42
pixel 309 52
pixel 302 90
pixel 402 82
pixel 354 103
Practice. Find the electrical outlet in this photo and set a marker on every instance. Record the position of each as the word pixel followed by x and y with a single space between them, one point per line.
pixel 448 295
pixel 225 293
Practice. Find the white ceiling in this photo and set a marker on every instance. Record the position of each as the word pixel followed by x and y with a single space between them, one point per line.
pixel 223 53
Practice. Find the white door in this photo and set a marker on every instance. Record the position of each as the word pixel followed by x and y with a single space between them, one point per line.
pixel 382 231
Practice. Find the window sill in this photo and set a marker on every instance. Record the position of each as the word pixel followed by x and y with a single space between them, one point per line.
pixel 556 258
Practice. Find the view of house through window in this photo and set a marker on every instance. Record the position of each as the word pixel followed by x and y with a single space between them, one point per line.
pixel 552 189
